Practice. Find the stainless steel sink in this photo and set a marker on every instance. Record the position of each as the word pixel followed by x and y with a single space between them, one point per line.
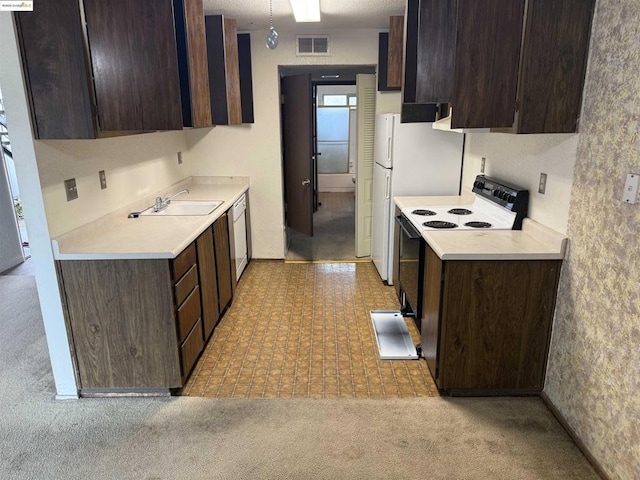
pixel 184 208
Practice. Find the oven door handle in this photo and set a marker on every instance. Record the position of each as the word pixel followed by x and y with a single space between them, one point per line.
pixel 408 228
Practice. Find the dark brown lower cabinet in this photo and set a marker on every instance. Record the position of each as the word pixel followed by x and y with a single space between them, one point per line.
pixel 223 261
pixel 139 325
pixel 486 324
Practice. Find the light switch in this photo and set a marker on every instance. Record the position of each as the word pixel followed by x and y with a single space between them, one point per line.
pixel 631 188
pixel 542 186
pixel 71 189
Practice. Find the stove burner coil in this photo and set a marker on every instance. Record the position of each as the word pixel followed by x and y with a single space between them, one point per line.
pixel 460 211
pixel 426 213
pixel 478 225
pixel 439 224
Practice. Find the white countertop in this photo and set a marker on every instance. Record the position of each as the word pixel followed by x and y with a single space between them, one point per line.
pixel 115 237
pixel 466 198
pixel 533 242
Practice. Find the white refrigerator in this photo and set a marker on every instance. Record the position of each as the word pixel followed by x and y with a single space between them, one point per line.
pixel 410 159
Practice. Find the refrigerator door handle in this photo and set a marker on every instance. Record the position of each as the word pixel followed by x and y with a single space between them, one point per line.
pixel 389 150
pixel 387 186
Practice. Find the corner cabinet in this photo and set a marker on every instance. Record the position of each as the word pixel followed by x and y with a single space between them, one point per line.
pixel 513 65
pixel 103 67
pixel 486 325
pixel 141 325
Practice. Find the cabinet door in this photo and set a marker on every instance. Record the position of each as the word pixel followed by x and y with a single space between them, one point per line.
pixel 224 70
pixel 208 281
pixel 396 47
pixel 554 63
pixel 223 261
pixel 192 62
pixel 431 312
pixel 56 73
pixel 486 63
pixel 436 51
pixel 135 66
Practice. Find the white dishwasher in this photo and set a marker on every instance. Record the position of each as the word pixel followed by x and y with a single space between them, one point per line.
pixel 240 234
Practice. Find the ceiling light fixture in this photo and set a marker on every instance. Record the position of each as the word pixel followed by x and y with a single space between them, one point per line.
pixel 306 10
pixel 272 36
pixel 329 76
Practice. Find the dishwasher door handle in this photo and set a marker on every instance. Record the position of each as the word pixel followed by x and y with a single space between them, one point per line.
pixel 406 226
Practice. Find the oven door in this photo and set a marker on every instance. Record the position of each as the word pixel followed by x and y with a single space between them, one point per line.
pixel 410 271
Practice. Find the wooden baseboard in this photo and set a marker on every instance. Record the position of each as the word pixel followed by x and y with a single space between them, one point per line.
pixel 574 436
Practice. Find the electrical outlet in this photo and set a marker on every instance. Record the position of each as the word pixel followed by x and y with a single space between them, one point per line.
pixel 179 158
pixel 482 164
pixel 103 179
pixel 631 188
pixel 71 189
pixel 542 187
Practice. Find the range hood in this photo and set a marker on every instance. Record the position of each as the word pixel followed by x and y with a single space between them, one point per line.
pixel 445 125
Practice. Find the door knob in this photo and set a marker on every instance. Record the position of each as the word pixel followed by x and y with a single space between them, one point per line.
pixel 306 183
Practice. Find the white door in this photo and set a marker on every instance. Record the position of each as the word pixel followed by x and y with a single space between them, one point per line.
pixel 381 211
pixel 366 93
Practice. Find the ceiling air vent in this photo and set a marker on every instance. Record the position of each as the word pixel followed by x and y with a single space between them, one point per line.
pixel 312 45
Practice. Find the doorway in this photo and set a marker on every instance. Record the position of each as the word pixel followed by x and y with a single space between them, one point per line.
pixel 15 243
pixel 331 163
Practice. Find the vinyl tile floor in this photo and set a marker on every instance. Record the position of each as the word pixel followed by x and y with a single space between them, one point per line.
pixel 299 330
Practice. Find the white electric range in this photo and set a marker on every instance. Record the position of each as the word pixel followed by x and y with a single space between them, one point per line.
pixel 497 206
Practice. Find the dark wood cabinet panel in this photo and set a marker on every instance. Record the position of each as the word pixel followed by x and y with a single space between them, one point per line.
pixel 115 346
pixel 383 55
pixel 183 262
pixel 496 321
pixel 412 110
pixel 223 261
pixel 55 70
pixel 188 313
pixel 489 34
pixel 208 281
pixel 191 348
pixel 132 46
pixel 192 62
pixel 396 47
pixel 186 284
pixel 431 308
pixel 246 77
pixel 554 65
pixel 436 51
pixel 224 75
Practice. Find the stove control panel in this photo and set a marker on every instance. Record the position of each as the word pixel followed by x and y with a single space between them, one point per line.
pixel 509 196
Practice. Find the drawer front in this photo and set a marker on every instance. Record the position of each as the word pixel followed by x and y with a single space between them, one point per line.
pixel 189 313
pixel 186 284
pixel 184 261
pixel 191 348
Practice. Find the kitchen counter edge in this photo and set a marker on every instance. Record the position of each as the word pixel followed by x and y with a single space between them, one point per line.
pixel 116 237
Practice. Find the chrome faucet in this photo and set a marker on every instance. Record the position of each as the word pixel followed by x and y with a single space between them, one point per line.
pixel 162 203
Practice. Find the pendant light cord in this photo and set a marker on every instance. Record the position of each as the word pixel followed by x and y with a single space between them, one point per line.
pixel 270 14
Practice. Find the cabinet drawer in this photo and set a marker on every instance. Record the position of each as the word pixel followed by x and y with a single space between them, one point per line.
pixel 189 313
pixel 186 284
pixel 191 348
pixel 184 261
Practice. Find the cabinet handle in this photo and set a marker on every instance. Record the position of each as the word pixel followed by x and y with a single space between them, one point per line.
pixel 306 183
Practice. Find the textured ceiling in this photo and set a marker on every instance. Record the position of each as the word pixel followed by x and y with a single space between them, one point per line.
pixel 254 14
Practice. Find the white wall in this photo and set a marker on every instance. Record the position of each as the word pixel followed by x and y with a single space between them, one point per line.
pixel 388 102
pixel 135 166
pixel 520 159
pixel 255 150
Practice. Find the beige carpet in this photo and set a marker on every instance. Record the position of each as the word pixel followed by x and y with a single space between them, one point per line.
pixel 176 438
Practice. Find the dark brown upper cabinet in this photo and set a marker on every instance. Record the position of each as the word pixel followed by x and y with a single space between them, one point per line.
pixel 127 81
pixel 192 63
pixel 510 65
pixel 412 109
pixel 246 77
pixel 224 70
pixel 390 51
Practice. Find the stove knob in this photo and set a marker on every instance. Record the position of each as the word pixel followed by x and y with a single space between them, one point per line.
pixel 501 195
pixel 512 198
pixel 479 185
pixel 496 193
